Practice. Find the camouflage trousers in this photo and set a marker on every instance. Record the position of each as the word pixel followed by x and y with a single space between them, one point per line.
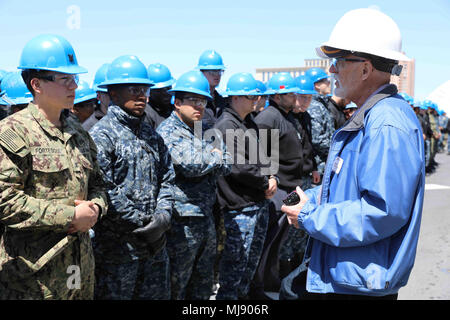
pixel 191 244
pixel 427 152
pixel 143 279
pixel 296 239
pixel 245 235
pixel 67 276
pixel 220 239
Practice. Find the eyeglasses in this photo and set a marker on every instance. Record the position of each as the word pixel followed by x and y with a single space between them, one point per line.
pixel 335 61
pixel 214 72
pixel 87 104
pixel 252 98
pixel 139 90
pixel 290 94
pixel 197 102
pixel 65 80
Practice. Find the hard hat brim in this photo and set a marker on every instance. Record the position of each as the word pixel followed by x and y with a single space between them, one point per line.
pixel 67 70
pixel 125 81
pixel 97 89
pixel 243 93
pixel 190 90
pixel 14 101
pixel 85 98
pixel 306 91
pixel 282 91
pixel 211 67
pixel 328 50
pixel 163 84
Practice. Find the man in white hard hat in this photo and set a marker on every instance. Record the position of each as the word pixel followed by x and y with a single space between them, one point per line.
pixel 363 221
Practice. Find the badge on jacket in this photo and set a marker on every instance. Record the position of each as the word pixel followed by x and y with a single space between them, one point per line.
pixel 337 165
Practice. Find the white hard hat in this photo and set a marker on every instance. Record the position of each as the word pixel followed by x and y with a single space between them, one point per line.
pixel 365 30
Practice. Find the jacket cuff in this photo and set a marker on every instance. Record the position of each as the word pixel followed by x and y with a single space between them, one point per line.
pixel 65 218
pixel 306 210
pixel 102 205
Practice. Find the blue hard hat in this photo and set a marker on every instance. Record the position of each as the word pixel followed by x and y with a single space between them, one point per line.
pixel 2 74
pixel 242 84
pixel 261 87
pixel 351 105
pixel 316 74
pixel 100 77
pixel 160 76
pixel 407 97
pixel 192 81
pixel 127 69
pixel 281 82
pixel 14 90
pixel 84 92
pixel 427 103
pixel 305 85
pixel 422 106
pixel 210 60
pixel 50 52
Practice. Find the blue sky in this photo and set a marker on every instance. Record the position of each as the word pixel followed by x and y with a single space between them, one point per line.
pixel 248 34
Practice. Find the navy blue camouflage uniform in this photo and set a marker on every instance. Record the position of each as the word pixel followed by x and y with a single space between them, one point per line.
pixel 139 175
pixel 322 129
pixel 191 242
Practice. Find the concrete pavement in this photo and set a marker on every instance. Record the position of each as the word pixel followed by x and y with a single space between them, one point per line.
pixel 430 277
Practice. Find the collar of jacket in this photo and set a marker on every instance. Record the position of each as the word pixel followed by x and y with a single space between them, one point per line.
pixel 125 118
pixel 357 122
pixel 67 127
pixel 322 98
pixel 234 113
pixel 178 123
pixel 276 106
pixel 330 100
pixel 212 103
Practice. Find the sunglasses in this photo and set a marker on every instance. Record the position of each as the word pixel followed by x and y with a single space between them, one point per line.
pixel 336 61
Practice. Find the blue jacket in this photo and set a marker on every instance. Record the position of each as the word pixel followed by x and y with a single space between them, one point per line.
pixel 138 176
pixel 364 220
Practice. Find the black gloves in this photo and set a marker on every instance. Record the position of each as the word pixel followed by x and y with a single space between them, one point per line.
pixel 153 233
pixel 158 245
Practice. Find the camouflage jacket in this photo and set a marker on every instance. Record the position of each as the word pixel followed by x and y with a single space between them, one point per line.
pixel 196 166
pixel 43 170
pixel 139 174
pixel 322 128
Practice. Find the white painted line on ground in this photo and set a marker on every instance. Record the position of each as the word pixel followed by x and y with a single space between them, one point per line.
pixel 435 187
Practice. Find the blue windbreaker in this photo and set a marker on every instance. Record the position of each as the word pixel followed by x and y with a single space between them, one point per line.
pixel 364 220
